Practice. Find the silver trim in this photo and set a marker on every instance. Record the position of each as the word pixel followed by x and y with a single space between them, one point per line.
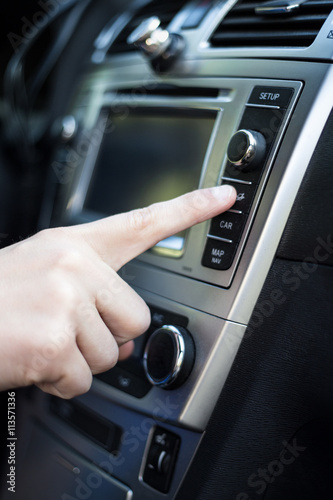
pixel 144 30
pixel 264 106
pixel 235 211
pixel 250 151
pixel 160 461
pixel 150 38
pixel 231 179
pixel 218 238
pixel 278 7
pixel 179 344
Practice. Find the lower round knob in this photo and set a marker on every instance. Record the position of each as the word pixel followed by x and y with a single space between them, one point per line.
pixel 169 356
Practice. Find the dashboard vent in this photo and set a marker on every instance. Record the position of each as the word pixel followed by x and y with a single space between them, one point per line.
pixel 243 27
pixel 165 10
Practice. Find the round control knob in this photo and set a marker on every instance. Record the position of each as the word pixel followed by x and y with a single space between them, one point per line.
pixel 161 47
pixel 149 37
pixel 246 149
pixel 169 356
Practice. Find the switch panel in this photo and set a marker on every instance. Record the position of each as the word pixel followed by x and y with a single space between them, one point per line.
pixel 247 156
pixel 161 459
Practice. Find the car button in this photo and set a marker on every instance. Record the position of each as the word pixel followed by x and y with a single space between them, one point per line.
pixel 228 226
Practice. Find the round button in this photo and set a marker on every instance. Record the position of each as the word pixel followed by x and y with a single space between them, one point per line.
pixel 169 356
pixel 150 38
pixel 144 30
pixel 246 149
pixel 68 128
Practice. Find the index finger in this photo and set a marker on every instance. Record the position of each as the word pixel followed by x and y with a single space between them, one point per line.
pixel 120 238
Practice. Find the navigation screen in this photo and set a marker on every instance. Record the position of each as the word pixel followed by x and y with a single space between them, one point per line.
pixel 149 155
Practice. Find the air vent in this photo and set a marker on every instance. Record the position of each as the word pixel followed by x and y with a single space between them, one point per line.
pixel 242 27
pixel 165 10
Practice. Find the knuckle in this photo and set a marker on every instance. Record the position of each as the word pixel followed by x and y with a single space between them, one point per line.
pixel 46 358
pixel 139 322
pixel 145 319
pixel 70 386
pixel 141 219
pixel 61 292
pixel 50 237
pixel 68 259
pixel 81 386
pixel 62 254
pixel 105 355
pixel 108 360
pixel 34 374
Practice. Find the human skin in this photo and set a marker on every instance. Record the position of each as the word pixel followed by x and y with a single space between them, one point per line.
pixel 65 313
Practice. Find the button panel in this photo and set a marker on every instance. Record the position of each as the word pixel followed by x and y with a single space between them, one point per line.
pixel 264 113
pixel 125 380
pixel 161 459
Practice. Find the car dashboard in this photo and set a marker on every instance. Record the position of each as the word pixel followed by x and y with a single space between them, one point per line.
pixel 235 367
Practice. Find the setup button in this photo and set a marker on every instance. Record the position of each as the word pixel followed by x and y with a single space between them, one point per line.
pixel 271 96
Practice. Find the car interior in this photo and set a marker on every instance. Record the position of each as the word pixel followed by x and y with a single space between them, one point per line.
pixel 111 105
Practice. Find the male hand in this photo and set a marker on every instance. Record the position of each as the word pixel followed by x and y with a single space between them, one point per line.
pixel 65 312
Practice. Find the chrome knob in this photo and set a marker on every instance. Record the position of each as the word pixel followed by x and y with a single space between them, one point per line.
pixel 150 38
pixel 169 356
pixel 246 149
pixel 161 47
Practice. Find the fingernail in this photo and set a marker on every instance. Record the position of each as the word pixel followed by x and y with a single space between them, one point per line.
pixel 223 192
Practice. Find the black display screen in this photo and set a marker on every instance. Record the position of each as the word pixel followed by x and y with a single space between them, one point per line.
pixel 149 155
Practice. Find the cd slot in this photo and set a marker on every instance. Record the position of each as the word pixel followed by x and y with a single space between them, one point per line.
pixel 170 91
